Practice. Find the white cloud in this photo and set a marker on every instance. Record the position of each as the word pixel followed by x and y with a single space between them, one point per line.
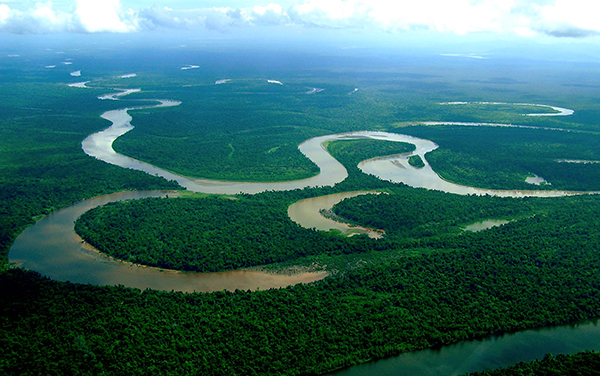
pixel 522 17
pixel 39 19
pixel 572 18
pixel 47 19
pixel 88 16
pixel 272 14
pixel 332 13
pixel 160 17
pixel 456 16
pixel 4 12
pixel 104 16
pixel 578 13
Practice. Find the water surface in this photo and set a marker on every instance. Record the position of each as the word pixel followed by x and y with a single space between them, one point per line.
pixel 484 225
pixel 307 213
pixel 490 353
pixel 52 248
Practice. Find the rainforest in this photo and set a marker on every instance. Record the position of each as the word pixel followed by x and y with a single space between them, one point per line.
pixel 431 144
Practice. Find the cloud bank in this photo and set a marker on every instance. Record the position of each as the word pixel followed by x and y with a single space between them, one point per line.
pixel 556 18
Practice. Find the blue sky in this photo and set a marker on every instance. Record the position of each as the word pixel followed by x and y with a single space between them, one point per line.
pixel 527 19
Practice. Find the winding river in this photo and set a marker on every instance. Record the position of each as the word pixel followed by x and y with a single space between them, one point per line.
pixel 67 262
pixel 52 248
pixel 394 168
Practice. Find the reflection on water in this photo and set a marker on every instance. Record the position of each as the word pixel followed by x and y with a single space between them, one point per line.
pixel 490 353
pixel 52 248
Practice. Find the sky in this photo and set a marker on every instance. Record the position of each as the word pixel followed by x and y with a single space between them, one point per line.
pixel 527 19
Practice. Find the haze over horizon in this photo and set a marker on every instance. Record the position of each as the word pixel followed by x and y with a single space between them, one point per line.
pixel 540 20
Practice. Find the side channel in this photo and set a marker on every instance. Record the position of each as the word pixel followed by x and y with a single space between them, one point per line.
pixel 490 353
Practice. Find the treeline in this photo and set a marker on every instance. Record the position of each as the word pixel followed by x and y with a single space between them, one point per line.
pixel 583 363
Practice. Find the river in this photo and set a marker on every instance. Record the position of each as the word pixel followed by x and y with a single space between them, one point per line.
pixel 52 248
pixel 307 213
pixel 394 168
pixel 490 353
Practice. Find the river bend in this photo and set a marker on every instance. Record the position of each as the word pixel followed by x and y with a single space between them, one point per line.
pixel 395 168
pixel 52 248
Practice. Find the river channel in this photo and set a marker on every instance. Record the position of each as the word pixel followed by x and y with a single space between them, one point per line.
pixel 490 353
pixel 307 213
pixel 394 168
pixel 52 248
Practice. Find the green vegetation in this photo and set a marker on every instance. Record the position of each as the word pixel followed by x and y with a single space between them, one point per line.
pixel 416 161
pixel 489 282
pixel 215 234
pixel 206 235
pixel 584 363
pixel 502 158
pixel 42 166
pixel 242 131
pixel 425 284
pixel 407 214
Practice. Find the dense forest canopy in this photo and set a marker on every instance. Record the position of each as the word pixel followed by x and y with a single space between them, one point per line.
pixel 426 283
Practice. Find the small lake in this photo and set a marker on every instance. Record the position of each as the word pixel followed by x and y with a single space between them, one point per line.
pixel 484 225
